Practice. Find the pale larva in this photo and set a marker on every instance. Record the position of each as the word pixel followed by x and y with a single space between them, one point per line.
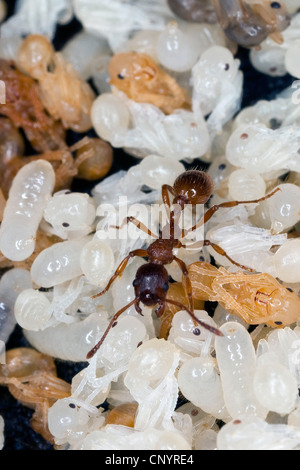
pixel 58 263
pixel 69 342
pixel 23 213
pixel 236 360
pixel 11 284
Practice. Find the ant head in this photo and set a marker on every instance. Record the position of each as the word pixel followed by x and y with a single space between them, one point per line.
pixel 192 187
pixel 151 284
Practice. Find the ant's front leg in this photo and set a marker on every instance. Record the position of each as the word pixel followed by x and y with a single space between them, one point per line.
pixel 122 266
pixel 138 224
pixel 165 190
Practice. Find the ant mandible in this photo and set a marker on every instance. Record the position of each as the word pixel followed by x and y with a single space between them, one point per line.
pixel 151 283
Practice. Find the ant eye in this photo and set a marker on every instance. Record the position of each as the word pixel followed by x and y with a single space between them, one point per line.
pixel 135 283
pixel 166 286
pixel 121 77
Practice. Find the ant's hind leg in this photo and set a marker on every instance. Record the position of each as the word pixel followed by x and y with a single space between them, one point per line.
pixel 226 205
pixel 165 190
pixel 120 269
pixel 186 282
pixel 222 252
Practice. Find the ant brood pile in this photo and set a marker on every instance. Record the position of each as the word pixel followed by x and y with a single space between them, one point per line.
pixel 173 279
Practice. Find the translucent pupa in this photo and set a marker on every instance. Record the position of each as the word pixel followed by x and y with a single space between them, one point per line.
pixel 140 78
pixel 256 298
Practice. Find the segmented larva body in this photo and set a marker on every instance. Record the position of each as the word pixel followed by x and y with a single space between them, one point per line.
pixel 200 383
pixel 58 263
pixel 274 385
pixel 23 213
pixel 286 260
pixel 252 433
pixel 284 207
pixel 244 185
pixel 69 342
pixel 259 149
pixel 32 309
pixel 68 212
pixel 11 284
pixel 236 360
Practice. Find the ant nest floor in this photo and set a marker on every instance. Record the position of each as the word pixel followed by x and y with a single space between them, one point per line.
pixel 150 225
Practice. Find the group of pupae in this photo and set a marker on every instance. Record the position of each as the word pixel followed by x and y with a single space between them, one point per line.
pixel 160 80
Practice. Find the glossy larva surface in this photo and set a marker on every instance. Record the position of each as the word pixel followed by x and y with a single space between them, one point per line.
pixel 24 210
pixel 58 264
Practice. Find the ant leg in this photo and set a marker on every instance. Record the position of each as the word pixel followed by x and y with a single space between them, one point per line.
pixel 187 285
pixel 210 328
pixel 222 252
pixel 120 269
pixel 138 224
pixel 165 190
pixel 112 323
pixel 227 205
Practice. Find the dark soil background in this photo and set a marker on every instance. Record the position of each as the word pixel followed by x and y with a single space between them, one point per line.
pixel 18 433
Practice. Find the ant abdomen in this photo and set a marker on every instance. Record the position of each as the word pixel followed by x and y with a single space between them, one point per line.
pixel 192 187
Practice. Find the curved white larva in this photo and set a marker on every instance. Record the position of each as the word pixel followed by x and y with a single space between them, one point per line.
pixel 175 50
pixel 236 360
pixel 274 385
pixel 97 261
pixel 143 41
pixel 32 310
pixel 58 263
pixel 269 59
pixel 149 366
pixel 111 118
pixel 260 149
pixel 156 171
pixel 23 213
pixel 200 384
pixel 287 261
pixel 252 433
pixel 69 342
pixel 125 438
pixel 244 185
pixel 70 211
pixel 284 207
pixel 82 50
pixel 11 284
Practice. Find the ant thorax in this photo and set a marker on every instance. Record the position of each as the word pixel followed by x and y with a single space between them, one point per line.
pixel 161 251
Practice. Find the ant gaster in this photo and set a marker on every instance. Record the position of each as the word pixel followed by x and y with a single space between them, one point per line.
pixel 151 283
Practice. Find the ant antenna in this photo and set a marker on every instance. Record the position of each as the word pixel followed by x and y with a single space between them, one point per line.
pixel 111 325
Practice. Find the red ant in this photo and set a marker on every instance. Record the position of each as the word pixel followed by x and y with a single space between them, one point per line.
pixel 151 284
